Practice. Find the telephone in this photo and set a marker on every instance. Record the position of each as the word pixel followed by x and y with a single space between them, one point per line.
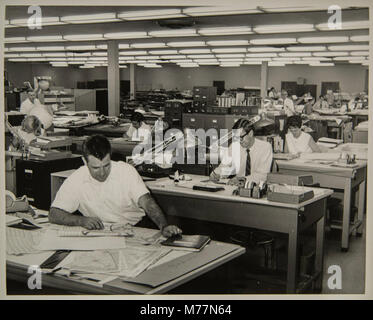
pixel 14 204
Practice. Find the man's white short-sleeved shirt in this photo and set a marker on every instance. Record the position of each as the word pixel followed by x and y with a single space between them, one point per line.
pixel 114 200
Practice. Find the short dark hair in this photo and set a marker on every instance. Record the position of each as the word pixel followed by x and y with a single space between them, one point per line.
pixel 294 121
pixel 137 116
pixel 244 124
pixel 97 146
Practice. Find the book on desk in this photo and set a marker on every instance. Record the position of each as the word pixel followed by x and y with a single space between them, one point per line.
pixel 187 242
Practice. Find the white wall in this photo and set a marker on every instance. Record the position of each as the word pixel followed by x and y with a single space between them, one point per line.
pixel 350 77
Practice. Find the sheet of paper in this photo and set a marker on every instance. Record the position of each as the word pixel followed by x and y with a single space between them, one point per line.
pixel 19 241
pixel 136 259
pixel 98 261
pixel 51 241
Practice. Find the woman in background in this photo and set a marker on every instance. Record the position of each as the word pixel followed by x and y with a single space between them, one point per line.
pixel 297 141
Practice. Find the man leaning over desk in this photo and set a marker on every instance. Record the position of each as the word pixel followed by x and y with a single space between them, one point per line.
pixel 105 191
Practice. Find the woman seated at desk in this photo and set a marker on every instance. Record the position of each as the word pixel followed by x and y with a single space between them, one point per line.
pixel 138 129
pixel 297 141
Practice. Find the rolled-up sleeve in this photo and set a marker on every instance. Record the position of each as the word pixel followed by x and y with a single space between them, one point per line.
pixel 67 197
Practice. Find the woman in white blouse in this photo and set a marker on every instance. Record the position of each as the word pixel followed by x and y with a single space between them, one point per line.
pixel 297 141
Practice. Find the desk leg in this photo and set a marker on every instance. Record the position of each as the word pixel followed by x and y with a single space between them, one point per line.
pixel 319 259
pixel 361 209
pixel 292 261
pixel 346 215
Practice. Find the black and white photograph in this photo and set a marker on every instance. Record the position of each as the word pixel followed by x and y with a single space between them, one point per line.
pixel 179 149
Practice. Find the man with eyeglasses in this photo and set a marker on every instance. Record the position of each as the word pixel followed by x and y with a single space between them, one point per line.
pixel 251 159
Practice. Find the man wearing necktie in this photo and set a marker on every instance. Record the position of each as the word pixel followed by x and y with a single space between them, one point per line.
pixel 250 159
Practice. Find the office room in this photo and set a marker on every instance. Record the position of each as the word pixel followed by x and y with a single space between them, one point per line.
pixel 210 149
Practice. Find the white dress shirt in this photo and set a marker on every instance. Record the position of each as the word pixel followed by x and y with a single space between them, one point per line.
pixel 136 134
pixel 27 105
pixel 300 144
pixel 235 157
pixel 289 107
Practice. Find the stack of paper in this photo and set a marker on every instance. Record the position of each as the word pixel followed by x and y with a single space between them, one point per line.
pixel 12 220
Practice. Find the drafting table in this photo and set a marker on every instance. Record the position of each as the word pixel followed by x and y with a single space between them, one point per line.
pixel 261 214
pixel 223 207
pixel 194 264
pixel 328 176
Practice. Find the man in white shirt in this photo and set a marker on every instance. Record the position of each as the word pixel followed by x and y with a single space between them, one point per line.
pixel 105 191
pixel 138 129
pixel 288 104
pixel 252 158
pixel 30 102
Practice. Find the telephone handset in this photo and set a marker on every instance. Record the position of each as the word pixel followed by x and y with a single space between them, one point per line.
pixel 14 204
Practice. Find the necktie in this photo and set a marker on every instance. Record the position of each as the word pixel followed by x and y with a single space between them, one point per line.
pixel 248 163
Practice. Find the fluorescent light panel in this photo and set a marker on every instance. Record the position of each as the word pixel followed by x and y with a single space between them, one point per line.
pixel 174 33
pixel 283 28
pixel 148 45
pixel 306 48
pixel 330 54
pixel 162 52
pixel 265 49
pixel 151 14
pixel 91 18
pixel 227 50
pixel 225 31
pixel 83 37
pixel 322 39
pixel 364 38
pixel 194 51
pixel 349 47
pixel 186 44
pixel 216 11
pixel 295 54
pixel 15 39
pixel 228 43
pixel 273 41
pixel 346 25
pixel 132 53
pixel 126 35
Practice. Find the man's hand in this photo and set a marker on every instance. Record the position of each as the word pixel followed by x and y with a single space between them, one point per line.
pixel 214 176
pixel 91 223
pixel 237 181
pixel 170 231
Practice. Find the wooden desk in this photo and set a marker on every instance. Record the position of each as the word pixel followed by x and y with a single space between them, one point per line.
pixel 336 178
pixel 261 214
pixel 196 264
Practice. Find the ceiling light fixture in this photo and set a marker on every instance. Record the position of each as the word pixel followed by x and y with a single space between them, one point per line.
pixel 91 18
pixel 283 28
pixel 225 31
pixel 151 14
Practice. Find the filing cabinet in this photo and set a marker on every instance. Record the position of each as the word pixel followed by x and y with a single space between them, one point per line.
pixel 194 121
pixel 204 93
pixel 33 178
